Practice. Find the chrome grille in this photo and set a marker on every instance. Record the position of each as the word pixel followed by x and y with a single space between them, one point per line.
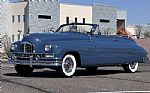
pixel 27 47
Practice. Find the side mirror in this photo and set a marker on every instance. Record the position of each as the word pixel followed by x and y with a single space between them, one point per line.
pixel 99 33
pixel 92 31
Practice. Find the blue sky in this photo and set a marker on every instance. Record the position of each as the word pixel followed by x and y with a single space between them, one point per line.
pixel 138 10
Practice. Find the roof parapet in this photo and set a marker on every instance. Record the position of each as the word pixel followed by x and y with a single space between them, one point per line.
pixel 43 0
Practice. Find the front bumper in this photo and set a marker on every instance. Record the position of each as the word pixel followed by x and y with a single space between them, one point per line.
pixel 35 60
pixel 146 59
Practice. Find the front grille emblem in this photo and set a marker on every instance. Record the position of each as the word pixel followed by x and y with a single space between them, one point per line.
pixel 27 47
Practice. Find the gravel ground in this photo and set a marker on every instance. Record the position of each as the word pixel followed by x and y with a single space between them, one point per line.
pixel 145 43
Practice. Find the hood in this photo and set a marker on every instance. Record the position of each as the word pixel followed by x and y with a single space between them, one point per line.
pixel 40 37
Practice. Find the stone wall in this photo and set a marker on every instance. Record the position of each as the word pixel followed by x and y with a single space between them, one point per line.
pixel 4 11
pixel 42 7
pixel 108 13
pixel 4 18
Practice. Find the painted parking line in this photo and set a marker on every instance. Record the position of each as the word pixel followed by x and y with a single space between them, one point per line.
pixel 124 92
pixel 10 66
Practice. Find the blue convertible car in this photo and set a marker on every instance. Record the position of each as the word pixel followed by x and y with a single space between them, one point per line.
pixel 76 45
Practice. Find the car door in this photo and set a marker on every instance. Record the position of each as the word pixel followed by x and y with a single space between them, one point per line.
pixel 87 51
pixel 107 50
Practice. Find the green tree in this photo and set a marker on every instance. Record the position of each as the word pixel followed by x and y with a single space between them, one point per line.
pixel 146 34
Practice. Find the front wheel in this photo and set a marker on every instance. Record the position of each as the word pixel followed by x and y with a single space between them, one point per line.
pixel 69 65
pixel 131 68
pixel 24 70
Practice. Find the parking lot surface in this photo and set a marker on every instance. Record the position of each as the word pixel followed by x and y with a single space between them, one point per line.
pixel 105 79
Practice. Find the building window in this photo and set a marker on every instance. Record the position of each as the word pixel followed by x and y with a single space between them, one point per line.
pixel 44 16
pixel 67 20
pixel 104 20
pixel 76 20
pixel 83 20
pixel 13 18
pixel 19 37
pixel 0 42
pixel 18 18
pixel 13 38
pixel 24 18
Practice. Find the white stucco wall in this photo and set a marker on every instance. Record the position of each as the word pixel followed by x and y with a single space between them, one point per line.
pixel 16 9
pixel 121 14
pixel 78 11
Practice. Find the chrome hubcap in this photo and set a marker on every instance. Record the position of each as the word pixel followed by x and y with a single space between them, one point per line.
pixel 133 65
pixel 68 65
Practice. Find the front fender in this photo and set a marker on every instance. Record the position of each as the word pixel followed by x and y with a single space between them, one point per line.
pixel 62 47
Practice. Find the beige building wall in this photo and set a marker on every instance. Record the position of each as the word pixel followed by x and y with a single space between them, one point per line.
pixel 132 30
pixel 75 11
pixel 16 27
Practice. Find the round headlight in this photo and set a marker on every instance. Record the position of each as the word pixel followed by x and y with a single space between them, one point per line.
pixel 48 48
pixel 13 47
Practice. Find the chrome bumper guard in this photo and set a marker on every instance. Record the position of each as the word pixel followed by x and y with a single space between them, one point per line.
pixel 32 62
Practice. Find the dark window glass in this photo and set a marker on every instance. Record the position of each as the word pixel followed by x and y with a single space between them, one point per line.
pixel 24 18
pixel 0 42
pixel 76 20
pixel 83 20
pixel 67 20
pixel 104 20
pixel 19 37
pixel 18 18
pixel 13 18
pixel 44 16
pixel 13 38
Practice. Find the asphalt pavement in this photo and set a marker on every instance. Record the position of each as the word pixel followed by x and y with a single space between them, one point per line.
pixel 105 79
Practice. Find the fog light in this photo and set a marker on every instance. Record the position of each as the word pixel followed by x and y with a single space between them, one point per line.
pixel 49 56
pixel 47 48
pixel 13 47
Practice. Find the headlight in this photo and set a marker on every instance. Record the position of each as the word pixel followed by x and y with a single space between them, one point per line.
pixel 13 47
pixel 47 48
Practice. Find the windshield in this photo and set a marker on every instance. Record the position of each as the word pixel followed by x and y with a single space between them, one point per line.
pixel 78 27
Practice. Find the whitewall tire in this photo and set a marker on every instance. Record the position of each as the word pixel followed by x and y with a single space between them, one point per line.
pixel 69 65
pixel 131 68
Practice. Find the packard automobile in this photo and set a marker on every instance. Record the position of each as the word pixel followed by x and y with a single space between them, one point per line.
pixel 76 45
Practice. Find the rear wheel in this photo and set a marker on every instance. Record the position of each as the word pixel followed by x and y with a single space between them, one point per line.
pixel 24 70
pixel 131 68
pixel 69 65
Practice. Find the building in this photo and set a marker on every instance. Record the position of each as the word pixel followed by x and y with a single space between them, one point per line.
pixel 144 30
pixel 33 16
